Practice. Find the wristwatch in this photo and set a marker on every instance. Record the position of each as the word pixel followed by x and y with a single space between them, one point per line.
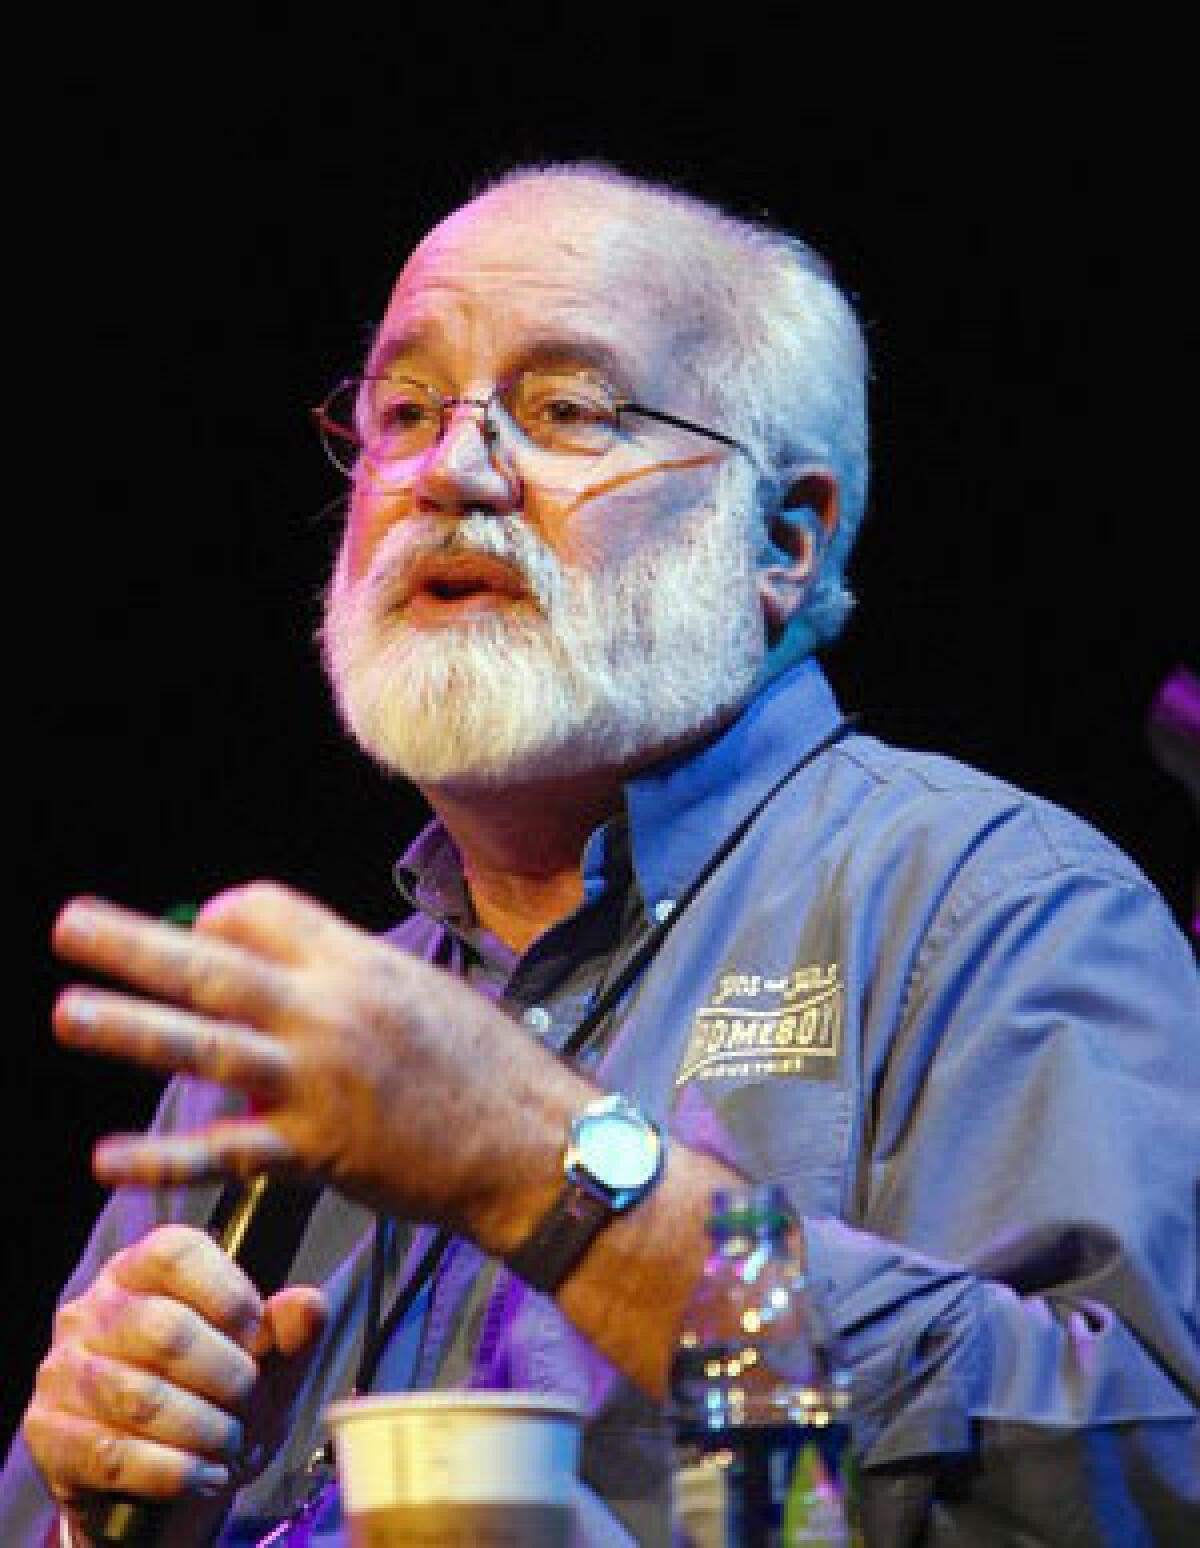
pixel 614 1157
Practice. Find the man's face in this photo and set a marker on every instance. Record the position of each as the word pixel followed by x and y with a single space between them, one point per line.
pixel 502 613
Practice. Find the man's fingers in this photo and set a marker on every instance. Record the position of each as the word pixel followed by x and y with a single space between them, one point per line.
pixel 81 1457
pixel 237 1147
pixel 134 1401
pixel 274 922
pixel 161 1336
pixel 188 967
pixel 186 1265
pixel 165 1038
pixel 141 1395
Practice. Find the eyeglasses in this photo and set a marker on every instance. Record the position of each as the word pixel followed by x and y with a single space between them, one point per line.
pixel 371 426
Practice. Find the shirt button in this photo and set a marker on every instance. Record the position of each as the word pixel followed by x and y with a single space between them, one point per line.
pixel 664 908
pixel 537 1017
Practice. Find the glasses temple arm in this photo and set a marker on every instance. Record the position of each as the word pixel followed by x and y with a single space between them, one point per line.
pixel 687 424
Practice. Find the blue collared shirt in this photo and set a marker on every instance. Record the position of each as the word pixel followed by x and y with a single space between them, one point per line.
pixel 962 1031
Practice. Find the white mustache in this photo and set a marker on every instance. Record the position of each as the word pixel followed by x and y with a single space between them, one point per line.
pixel 499 537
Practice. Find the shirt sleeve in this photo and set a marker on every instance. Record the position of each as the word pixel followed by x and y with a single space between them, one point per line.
pixel 1016 1287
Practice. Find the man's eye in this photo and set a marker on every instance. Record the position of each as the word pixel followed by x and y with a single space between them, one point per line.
pixel 557 407
pixel 399 415
pixel 572 410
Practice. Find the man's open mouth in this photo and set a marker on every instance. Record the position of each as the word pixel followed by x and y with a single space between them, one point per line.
pixel 448 579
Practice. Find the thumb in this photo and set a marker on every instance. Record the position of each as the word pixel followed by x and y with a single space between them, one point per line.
pixel 293 1322
pixel 295 1319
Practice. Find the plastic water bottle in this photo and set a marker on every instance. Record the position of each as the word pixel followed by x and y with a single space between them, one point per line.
pixel 758 1401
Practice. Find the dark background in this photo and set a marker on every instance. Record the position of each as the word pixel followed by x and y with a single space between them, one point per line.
pixel 211 220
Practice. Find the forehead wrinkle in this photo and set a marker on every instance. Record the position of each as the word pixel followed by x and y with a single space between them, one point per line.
pixel 551 349
pixel 628 307
pixel 567 331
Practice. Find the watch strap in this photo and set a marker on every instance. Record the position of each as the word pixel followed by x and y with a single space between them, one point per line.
pixel 548 1255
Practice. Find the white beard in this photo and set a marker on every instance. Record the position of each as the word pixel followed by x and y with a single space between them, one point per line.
pixel 606 669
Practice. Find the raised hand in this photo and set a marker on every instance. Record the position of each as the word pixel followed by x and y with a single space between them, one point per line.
pixel 363 1066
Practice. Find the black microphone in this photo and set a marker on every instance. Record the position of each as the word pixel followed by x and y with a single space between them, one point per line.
pixel 260 1224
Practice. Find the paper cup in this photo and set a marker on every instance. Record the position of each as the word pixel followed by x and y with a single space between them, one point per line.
pixel 435 1469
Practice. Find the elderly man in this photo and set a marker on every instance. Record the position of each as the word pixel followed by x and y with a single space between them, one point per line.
pixel 608 460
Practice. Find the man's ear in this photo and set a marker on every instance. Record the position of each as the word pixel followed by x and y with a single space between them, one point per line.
pixel 799 529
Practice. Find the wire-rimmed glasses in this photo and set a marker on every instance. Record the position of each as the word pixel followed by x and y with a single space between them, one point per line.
pixel 372 427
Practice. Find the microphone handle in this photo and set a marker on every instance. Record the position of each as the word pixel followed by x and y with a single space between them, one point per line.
pixel 260 1226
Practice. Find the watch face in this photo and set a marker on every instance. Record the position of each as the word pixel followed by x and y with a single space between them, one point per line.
pixel 617 1151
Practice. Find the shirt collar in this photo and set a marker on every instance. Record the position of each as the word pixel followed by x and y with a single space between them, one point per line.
pixel 430 876
pixel 677 812
pixel 680 810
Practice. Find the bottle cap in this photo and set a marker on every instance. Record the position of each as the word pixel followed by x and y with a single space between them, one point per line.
pixel 751 1207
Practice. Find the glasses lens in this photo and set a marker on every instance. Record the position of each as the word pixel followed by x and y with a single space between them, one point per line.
pixel 369 423
pixel 337 422
pixel 563 411
pixel 397 418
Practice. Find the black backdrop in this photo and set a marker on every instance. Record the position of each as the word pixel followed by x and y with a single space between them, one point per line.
pixel 210 220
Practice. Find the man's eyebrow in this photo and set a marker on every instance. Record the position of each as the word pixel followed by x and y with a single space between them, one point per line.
pixel 562 348
pixel 406 341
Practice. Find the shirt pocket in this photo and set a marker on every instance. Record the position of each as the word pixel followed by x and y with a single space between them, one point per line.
pixel 784 1129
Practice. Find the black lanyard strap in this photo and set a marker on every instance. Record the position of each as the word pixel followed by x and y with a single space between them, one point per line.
pixel 653 942
pixel 378 1335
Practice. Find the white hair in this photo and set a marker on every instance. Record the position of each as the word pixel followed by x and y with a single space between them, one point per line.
pixel 784 360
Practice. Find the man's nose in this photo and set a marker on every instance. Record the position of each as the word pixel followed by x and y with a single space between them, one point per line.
pixel 469 465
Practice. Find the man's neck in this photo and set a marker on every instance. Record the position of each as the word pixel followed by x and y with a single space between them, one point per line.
pixel 522 848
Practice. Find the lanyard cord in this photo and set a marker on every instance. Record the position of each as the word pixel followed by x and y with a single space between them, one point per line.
pixel 376 1335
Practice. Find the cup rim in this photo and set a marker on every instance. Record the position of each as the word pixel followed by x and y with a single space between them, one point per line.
pixel 375 1405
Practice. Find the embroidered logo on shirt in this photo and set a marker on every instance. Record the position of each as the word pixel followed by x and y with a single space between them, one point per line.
pixel 758 1026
